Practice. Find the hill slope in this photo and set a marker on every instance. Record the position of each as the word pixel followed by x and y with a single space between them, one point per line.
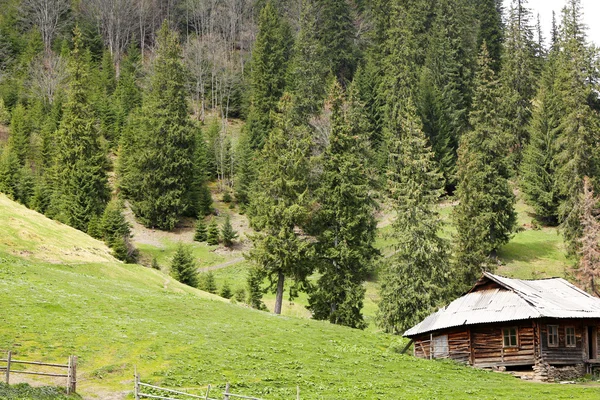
pixel 116 317
pixel 29 234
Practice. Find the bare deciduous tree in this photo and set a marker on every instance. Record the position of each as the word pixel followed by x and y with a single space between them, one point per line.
pixel 47 76
pixel 117 22
pixel 588 272
pixel 48 16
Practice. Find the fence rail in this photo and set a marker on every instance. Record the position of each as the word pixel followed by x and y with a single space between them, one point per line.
pixel 227 395
pixel 71 367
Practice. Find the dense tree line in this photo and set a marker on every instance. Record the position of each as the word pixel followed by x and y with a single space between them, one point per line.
pixel 347 104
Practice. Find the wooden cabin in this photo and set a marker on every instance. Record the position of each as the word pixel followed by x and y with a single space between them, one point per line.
pixel 548 326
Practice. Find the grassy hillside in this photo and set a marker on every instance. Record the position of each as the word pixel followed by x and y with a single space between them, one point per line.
pixel 116 317
pixel 26 233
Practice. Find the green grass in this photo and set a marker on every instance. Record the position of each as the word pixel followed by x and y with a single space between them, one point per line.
pixel 23 391
pixel 116 317
pixel 26 233
pixel 203 254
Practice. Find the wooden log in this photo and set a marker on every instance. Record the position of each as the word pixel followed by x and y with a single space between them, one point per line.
pixel 207 392
pixel 404 349
pixel 8 357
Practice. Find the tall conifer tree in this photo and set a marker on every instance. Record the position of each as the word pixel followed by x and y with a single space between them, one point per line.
pixel 270 57
pixel 345 222
pixel 580 126
pixel 414 279
pixel 518 78
pixel 538 170
pixel 81 184
pixel 278 205
pixel 157 170
pixel 308 67
pixel 485 217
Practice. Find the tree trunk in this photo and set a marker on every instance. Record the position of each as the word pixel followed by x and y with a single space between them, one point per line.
pixel 279 296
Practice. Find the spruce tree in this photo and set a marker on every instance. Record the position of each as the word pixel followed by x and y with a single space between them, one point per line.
pixel 518 78
pixel 580 126
pixel 200 235
pixel 538 172
pixel 485 217
pixel 116 232
pixel 127 95
pixel 270 56
pixel 226 292
pixel 491 29
pixel 104 99
pixel 345 225
pixel 20 131
pixel 227 232
pixel 414 279
pixel 245 171
pixel 81 184
pixel 256 276
pixel 278 204
pixel 157 170
pixel 309 66
pixel 444 84
pixel 183 267
pixel 208 283
pixel 4 112
pixel 212 234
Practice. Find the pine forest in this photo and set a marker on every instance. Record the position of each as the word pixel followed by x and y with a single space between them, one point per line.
pixel 293 131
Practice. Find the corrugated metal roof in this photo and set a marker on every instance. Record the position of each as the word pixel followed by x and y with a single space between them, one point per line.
pixel 518 300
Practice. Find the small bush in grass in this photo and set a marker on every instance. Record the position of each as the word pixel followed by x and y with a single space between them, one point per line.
pixel 240 295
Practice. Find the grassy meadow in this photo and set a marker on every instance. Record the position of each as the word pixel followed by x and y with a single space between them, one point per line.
pixel 116 317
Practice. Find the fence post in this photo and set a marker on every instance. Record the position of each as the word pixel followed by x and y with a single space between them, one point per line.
pixel 226 392
pixel 207 392
pixel 69 376
pixel 8 357
pixel 297 392
pixel 136 385
pixel 73 369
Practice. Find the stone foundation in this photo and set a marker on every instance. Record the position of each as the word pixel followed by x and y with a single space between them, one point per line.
pixel 550 373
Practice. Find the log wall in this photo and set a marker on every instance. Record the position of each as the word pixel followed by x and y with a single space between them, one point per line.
pixel 489 351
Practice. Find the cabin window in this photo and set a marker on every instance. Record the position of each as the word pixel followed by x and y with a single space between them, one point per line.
pixel 570 336
pixel 552 335
pixel 510 337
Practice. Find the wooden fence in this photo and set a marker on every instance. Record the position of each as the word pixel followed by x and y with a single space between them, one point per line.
pixel 227 395
pixel 71 370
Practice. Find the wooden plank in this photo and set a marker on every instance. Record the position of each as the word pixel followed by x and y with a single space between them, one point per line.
pixel 170 390
pixel 12 361
pixel 406 347
pixel 39 373
pixel 226 394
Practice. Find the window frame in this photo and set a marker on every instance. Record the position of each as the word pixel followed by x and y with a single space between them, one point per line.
pixel 567 344
pixel 549 335
pixel 509 336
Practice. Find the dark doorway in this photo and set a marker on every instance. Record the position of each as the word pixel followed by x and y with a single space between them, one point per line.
pixel 592 342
